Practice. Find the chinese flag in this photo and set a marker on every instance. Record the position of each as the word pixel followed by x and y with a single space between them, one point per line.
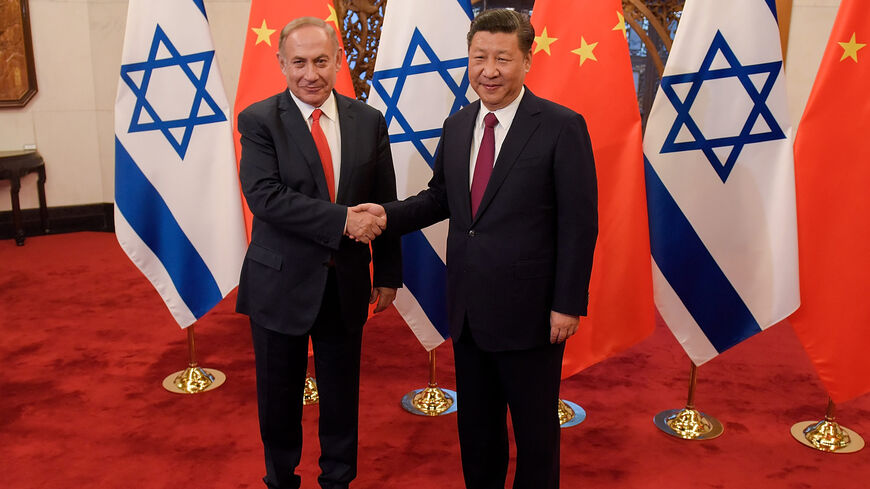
pixel 261 75
pixel 581 60
pixel 832 173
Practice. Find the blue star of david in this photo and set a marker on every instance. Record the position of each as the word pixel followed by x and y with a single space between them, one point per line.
pixel 157 123
pixel 435 65
pixel 759 109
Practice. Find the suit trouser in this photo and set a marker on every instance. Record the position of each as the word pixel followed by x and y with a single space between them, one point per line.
pixel 487 384
pixel 281 362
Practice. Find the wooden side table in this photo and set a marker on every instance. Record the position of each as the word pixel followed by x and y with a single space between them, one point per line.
pixel 13 166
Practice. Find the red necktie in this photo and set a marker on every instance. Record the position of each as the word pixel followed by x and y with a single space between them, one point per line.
pixel 323 149
pixel 485 161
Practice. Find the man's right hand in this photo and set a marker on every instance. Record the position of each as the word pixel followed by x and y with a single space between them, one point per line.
pixel 365 222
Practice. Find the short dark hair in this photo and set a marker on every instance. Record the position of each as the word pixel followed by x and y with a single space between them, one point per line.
pixel 504 20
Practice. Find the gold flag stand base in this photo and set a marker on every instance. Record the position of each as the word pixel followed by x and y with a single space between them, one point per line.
pixel 431 401
pixel 310 395
pixel 689 423
pixel 570 414
pixel 827 435
pixel 194 379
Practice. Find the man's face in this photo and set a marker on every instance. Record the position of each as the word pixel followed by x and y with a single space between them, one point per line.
pixel 309 60
pixel 497 67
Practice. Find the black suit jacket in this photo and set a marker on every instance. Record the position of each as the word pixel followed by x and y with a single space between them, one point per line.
pixel 529 248
pixel 297 232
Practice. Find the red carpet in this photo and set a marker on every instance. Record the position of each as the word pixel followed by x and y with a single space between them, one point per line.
pixel 86 343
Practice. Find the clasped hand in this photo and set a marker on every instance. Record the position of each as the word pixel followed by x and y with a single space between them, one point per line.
pixel 365 222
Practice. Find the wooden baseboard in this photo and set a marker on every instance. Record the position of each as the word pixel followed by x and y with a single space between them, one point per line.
pixel 64 219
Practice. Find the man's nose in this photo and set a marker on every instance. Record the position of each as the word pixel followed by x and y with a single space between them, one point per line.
pixel 490 68
pixel 310 71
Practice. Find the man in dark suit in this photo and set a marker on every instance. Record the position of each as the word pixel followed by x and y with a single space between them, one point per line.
pixel 308 153
pixel 519 252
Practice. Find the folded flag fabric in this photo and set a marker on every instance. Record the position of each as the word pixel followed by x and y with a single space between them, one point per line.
pixel 178 212
pixel 720 179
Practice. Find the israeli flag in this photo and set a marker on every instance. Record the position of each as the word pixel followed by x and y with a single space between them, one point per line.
pixel 178 211
pixel 720 179
pixel 420 78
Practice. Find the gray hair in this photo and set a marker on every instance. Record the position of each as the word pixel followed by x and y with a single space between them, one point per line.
pixel 302 22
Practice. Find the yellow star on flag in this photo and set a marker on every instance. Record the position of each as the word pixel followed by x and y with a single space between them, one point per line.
pixel 851 48
pixel 585 51
pixel 333 17
pixel 263 34
pixel 542 42
pixel 620 26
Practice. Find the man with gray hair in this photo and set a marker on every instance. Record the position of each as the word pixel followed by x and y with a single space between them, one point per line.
pixel 308 154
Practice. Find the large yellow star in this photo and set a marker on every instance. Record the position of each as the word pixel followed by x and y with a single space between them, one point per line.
pixel 620 26
pixel 333 17
pixel 542 42
pixel 850 49
pixel 263 34
pixel 585 51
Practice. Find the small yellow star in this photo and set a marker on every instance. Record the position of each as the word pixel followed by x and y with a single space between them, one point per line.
pixel 620 26
pixel 263 34
pixel 585 51
pixel 851 48
pixel 542 42
pixel 333 17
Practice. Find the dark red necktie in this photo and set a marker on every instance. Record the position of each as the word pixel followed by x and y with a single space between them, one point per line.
pixel 323 150
pixel 484 163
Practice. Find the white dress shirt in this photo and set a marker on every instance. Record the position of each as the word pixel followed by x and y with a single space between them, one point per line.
pixel 505 116
pixel 329 124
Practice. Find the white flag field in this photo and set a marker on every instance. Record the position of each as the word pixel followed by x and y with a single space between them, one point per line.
pixel 420 78
pixel 720 179
pixel 178 211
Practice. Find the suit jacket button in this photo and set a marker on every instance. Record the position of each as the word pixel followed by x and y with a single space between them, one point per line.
pixel 471 233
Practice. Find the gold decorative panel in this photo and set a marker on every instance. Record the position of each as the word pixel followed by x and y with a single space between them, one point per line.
pixel 17 71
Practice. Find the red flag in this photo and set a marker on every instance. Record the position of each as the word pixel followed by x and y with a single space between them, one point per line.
pixel 832 173
pixel 260 75
pixel 581 60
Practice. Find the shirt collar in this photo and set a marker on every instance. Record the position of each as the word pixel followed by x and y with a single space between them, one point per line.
pixel 329 107
pixel 505 115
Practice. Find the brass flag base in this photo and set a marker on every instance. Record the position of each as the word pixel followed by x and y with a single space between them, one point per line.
pixel 431 401
pixel 827 435
pixel 570 414
pixel 689 423
pixel 194 379
pixel 310 395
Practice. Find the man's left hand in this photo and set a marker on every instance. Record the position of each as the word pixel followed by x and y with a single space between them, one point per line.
pixel 384 296
pixel 562 326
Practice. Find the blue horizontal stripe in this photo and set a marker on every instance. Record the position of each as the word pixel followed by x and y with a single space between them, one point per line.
pixel 425 275
pixel 150 217
pixel 692 272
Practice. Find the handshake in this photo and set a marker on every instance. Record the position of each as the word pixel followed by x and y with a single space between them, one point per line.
pixel 365 222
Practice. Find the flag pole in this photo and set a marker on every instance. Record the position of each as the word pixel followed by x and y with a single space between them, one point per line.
pixel 433 400
pixel 194 379
pixel 689 423
pixel 570 414
pixel 827 435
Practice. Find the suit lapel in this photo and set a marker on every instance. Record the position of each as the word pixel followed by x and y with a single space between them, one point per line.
pixel 348 130
pixel 300 134
pixel 462 155
pixel 525 122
